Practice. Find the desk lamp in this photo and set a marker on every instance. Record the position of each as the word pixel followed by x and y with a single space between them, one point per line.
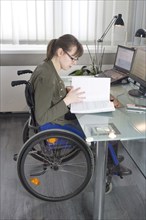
pixel 140 33
pixel 116 20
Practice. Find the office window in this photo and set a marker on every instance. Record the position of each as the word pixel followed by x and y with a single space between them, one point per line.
pixel 38 21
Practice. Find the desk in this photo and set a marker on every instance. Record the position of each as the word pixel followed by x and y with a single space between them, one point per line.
pixel 130 126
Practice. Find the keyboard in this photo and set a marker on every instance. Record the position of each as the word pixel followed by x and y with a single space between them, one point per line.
pixel 114 75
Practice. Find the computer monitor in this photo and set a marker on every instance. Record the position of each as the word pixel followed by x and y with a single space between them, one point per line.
pixel 124 58
pixel 138 74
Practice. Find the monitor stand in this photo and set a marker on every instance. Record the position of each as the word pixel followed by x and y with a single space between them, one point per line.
pixel 137 93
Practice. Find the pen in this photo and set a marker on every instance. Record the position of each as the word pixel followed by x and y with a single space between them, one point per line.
pixel 136 107
pixel 141 106
pixel 129 110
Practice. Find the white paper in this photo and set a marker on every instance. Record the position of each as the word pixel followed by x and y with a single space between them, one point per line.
pixel 96 89
pixel 97 93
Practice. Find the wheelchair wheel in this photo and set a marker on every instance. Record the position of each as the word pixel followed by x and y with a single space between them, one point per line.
pixel 52 177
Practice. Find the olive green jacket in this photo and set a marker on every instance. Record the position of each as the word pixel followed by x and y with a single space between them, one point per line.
pixel 49 90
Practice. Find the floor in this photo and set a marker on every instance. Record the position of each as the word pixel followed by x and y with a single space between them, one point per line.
pixel 127 200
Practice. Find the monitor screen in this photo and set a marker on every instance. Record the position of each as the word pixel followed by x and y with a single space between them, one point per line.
pixel 124 58
pixel 138 73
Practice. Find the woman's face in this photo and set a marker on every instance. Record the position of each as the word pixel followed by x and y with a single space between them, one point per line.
pixel 67 58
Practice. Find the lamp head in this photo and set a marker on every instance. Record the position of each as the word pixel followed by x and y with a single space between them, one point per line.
pixel 119 21
pixel 140 33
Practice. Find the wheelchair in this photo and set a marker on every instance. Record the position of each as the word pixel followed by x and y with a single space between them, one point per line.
pixel 55 164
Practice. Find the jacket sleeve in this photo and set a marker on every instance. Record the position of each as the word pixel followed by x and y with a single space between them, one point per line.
pixel 45 109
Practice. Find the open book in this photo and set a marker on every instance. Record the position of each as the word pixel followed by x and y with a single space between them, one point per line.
pixel 97 93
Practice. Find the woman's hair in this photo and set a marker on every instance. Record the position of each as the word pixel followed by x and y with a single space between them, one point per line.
pixel 66 42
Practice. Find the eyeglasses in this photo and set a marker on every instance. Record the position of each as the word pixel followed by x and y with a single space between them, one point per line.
pixel 72 58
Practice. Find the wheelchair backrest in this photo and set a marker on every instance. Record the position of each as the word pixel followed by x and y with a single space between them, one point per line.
pixel 29 96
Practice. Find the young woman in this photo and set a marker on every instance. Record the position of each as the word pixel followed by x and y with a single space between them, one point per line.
pixel 52 99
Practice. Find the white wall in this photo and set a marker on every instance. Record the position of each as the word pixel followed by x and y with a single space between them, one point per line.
pixel 12 99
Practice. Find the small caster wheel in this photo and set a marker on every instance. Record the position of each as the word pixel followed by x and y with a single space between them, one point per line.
pixel 108 188
pixel 15 157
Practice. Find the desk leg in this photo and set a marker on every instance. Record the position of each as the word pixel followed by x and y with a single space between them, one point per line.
pixel 99 181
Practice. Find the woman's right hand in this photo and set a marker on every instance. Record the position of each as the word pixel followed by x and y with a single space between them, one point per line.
pixel 74 95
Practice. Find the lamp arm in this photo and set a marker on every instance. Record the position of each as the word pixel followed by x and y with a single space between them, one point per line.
pixel 107 29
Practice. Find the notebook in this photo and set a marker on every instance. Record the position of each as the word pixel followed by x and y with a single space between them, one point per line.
pixel 97 95
pixel 122 65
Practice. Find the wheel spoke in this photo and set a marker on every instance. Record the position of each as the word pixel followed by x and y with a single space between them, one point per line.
pixel 71 173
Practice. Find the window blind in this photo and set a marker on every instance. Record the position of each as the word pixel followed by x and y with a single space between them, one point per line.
pixel 38 21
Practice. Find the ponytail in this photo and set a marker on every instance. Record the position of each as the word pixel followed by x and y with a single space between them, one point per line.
pixel 51 49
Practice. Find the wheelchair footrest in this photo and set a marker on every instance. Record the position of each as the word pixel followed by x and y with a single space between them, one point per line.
pixel 119 170
pixel 122 171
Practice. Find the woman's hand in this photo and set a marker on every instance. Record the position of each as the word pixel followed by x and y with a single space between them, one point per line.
pixel 68 88
pixel 74 95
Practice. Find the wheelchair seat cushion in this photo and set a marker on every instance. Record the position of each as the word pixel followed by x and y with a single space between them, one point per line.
pixel 66 127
